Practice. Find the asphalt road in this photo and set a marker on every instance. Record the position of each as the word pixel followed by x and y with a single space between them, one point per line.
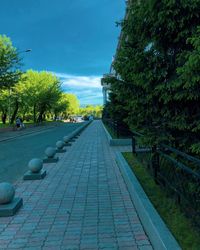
pixel 16 153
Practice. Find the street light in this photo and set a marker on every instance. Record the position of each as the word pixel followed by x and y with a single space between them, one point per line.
pixel 24 51
pixel 27 50
pixel 9 104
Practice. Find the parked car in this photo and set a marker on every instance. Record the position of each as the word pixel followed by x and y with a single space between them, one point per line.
pixel 76 118
pixel 79 119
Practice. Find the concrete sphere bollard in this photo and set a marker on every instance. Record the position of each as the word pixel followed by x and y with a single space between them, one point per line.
pixel 35 165
pixel 59 144
pixel 7 193
pixel 50 152
pixel 66 139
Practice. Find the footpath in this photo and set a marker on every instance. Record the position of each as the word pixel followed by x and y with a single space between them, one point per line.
pixel 83 203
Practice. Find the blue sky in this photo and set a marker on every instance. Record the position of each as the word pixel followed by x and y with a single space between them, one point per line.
pixel 75 39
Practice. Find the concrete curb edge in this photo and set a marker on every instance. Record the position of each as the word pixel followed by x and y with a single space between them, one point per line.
pixel 79 130
pixel 116 142
pixel 159 235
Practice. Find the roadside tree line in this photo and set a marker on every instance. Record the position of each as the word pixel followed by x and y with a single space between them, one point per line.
pixel 156 85
pixel 37 96
pixel 88 110
pixel 32 95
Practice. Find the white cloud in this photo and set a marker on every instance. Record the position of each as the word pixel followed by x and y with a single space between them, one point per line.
pixel 87 88
pixel 79 81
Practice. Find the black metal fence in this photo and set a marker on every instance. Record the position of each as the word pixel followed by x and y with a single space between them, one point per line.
pixel 180 174
pixel 176 172
pixel 118 128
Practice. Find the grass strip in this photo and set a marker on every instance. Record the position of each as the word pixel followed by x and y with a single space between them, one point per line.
pixel 181 227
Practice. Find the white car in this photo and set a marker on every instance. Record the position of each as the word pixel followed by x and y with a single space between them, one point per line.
pixel 78 119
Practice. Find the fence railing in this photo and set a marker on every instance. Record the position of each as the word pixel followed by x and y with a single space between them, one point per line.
pixel 119 129
pixel 175 171
pixel 178 174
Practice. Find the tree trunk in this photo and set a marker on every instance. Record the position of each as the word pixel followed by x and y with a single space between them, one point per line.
pixel 3 118
pixel 34 113
pixel 15 112
pixel 40 117
pixel 41 114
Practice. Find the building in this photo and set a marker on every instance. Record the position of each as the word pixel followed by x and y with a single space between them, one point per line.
pixel 105 86
pixel 105 89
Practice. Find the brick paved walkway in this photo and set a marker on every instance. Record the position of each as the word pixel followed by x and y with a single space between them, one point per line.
pixel 82 203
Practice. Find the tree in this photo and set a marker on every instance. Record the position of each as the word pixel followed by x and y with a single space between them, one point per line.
pixel 39 92
pixel 155 89
pixel 73 104
pixel 36 95
pixel 4 105
pixel 96 111
pixel 61 107
pixel 187 97
pixel 9 63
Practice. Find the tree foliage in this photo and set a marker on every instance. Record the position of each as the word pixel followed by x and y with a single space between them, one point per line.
pixel 156 87
pixel 40 91
pixel 9 63
pixel 96 111
pixel 62 106
pixel 31 95
pixel 34 95
pixel 4 105
pixel 73 104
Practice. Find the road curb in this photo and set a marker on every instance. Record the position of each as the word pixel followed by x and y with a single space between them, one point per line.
pixel 159 234
pixel 74 133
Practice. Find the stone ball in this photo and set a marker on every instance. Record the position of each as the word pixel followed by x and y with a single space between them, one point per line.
pixel 59 144
pixel 7 193
pixel 50 152
pixel 66 139
pixel 35 165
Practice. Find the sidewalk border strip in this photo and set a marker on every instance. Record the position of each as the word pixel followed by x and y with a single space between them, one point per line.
pixel 159 234
pixel 116 142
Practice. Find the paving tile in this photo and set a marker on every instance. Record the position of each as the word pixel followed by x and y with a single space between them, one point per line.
pixel 83 203
pixel 142 242
pixel 70 247
pixel 145 247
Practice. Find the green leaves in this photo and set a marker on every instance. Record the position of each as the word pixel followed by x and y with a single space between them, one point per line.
pixel 39 92
pixel 96 111
pixel 9 63
pixel 73 103
pixel 32 94
pixel 156 88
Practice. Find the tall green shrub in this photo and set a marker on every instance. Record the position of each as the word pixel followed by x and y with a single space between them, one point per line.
pixel 157 71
